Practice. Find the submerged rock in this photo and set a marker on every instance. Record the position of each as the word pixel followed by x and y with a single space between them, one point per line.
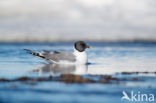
pixel 4 80
pixel 70 78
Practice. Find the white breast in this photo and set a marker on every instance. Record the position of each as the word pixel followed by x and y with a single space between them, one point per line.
pixel 81 57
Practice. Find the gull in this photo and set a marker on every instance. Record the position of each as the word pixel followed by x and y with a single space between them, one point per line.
pixel 79 56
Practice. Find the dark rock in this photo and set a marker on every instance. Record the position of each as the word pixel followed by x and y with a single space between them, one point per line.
pixel 23 79
pixel 69 78
pixel 4 80
pixel 128 72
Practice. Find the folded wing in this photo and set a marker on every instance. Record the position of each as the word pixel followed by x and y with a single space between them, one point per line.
pixel 59 56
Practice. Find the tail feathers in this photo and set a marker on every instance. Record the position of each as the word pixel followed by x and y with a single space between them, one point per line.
pixel 34 53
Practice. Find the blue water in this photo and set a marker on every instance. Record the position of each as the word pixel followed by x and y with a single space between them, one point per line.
pixel 104 59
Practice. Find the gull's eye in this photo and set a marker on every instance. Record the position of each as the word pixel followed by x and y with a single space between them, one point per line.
pixel 83 45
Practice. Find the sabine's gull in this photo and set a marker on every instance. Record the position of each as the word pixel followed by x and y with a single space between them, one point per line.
pixel 79 55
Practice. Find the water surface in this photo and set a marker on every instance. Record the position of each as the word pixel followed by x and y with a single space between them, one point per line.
pixel 133 64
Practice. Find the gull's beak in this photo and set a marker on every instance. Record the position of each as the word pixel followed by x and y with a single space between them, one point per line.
pixel 90 47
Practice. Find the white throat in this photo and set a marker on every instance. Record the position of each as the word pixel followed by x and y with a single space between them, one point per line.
pixel 81 57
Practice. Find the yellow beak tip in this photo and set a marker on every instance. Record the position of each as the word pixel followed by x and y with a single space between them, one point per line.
pixel 90 47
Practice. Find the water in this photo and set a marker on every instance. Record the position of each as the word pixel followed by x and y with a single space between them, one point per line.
pixel 120 60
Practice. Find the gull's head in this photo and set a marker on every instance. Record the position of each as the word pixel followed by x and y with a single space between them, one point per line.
pixel 81 46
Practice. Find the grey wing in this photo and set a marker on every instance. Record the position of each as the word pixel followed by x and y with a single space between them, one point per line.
pixel 58 56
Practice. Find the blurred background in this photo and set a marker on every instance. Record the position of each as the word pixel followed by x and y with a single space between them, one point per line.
pixel 70 20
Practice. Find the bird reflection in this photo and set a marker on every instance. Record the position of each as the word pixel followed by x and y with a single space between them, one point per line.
pixel 61 68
